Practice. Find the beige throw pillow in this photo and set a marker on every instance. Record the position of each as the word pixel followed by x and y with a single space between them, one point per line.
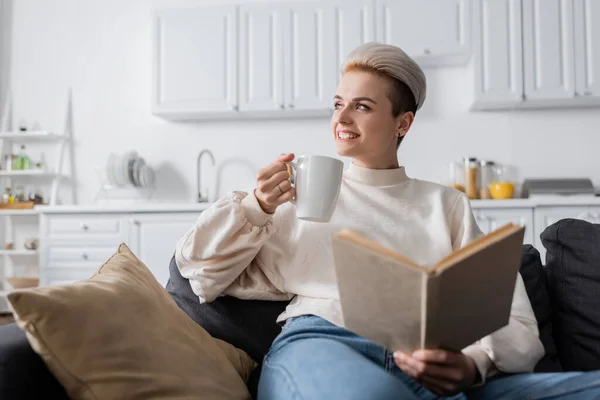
pixel 119 335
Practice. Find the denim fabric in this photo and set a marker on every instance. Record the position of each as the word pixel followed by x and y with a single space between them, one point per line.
pixel 314 359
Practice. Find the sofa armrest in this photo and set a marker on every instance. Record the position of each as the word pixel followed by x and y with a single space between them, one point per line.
pixel 23 374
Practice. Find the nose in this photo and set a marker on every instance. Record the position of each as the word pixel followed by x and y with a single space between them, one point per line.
pixel 343 115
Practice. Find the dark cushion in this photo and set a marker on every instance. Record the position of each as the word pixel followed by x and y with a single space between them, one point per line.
pixel 23 374
pixel 536 285
pixel 247 325
pixel 573 270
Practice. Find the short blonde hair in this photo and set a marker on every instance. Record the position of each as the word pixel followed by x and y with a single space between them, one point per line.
pixel 392 62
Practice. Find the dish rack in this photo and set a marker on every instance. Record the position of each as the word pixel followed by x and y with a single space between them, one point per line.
pixel 125 178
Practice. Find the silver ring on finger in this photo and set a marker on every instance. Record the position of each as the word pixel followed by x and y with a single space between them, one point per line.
pixel 279 187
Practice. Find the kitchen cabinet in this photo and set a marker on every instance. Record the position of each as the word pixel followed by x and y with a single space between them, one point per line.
pixel 490 219
pixel 261 57
pixel 587 48
pixel 195 60
pixel 290 52
pixel 548 50
pixel 546 216
pixel 74 245
pixel 498 54
pixel 536 54
pixel 153 238
pixel 433 32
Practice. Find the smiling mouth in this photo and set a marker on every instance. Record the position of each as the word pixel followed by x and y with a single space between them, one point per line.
pixel 347 135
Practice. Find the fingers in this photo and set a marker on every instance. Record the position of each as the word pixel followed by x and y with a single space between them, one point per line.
pixel 436 356
pixel 417 369
pixel 279 178
pixel 271 170
pixel 438 386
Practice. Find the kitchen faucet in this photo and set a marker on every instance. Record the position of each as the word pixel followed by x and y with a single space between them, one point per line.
pixel 201 198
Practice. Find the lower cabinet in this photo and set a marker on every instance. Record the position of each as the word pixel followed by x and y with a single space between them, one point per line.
pixel 490 219
pixel 546 216
pixel 73 246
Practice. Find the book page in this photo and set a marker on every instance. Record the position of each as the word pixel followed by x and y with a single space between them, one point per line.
pixel 381 298
pixel 473 298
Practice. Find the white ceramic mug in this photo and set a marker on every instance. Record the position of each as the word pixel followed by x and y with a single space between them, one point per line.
pixel 317 180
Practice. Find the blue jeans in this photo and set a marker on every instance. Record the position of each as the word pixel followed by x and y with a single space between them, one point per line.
pixel 314 359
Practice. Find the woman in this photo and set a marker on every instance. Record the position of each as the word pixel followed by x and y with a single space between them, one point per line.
pixel 252 246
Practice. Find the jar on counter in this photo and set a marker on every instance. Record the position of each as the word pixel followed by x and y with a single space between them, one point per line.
pixel 488 171
pixel 472 168
pixel 455 176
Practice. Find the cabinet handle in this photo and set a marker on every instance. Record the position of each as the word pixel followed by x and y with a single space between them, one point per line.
pixel 282 106
pixel 426 52
pixel 135 221
pixel 84 227
pixel 234 108
pixel 85 256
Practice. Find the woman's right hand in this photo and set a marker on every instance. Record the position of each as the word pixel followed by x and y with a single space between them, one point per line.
pixel 273 187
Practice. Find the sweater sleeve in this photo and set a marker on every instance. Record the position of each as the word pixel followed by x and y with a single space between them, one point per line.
pixel 216 254
pixel 516 347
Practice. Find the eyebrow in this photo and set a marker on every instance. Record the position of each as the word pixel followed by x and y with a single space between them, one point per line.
pixel 357 99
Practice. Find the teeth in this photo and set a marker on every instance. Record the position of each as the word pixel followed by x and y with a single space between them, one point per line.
pixel 343 135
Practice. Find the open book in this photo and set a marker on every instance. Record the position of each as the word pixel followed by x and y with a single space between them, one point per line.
pixel 400 305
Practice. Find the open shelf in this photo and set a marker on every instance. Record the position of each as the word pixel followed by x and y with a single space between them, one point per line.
pixel 30 172
pixel 19 252
pixel 17 212
pixel 30 136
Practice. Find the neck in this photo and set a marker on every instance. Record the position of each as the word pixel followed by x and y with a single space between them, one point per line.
pixel 383 164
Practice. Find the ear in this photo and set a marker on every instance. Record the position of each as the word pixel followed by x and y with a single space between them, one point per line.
pixel 404 122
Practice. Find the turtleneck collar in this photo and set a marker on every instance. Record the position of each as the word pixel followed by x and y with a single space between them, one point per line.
pixel 375 177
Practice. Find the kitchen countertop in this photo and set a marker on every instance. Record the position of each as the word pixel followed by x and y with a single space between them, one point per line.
pixel 157 207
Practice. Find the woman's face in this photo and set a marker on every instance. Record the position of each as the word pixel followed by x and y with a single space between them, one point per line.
pixel 363 125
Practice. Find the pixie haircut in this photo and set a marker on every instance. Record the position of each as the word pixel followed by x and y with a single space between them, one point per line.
pixel 407 81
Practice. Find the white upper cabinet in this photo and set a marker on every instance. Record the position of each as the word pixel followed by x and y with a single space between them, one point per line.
pixel 195 60
pixel 290 52
pixel 587 48
pixel 498 52
pixel 261 57
pixel 433 32
pixel 309 55
pixel 548 48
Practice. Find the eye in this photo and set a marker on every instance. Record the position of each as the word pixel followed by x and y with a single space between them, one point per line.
pixel 337 105
pixel 363 107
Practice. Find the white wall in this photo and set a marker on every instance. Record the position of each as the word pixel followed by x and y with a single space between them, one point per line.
pixel 103 50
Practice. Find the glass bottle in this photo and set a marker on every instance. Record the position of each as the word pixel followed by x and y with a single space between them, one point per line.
pixel 488 169
pixel 6 196
pixel 23 158
pixel 472 169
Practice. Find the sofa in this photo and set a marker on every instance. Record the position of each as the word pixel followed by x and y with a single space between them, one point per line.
pixel 564 294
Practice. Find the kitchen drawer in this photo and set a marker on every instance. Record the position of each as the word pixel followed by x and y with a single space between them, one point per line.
pixel 61 255
pixel 65 276
pixel 85 225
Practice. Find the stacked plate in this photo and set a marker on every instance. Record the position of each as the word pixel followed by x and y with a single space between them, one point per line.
pixel 129 170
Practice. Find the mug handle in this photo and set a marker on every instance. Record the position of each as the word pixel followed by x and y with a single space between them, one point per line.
pixel 292 171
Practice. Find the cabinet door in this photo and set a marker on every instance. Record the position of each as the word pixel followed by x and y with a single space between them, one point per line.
pixel 492 219
pixel 354 23
pixel 261 57
pixel 195 60
pixel 153 238
pixel 433 32
pixel 587 48
pixel 309 55
pixel 548 48
pixel 546 216
pixel 497 45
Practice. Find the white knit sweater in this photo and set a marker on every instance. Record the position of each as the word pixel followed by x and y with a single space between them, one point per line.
pixel 237 249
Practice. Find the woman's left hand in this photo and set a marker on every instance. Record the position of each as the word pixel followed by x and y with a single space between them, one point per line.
pixel 441 372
